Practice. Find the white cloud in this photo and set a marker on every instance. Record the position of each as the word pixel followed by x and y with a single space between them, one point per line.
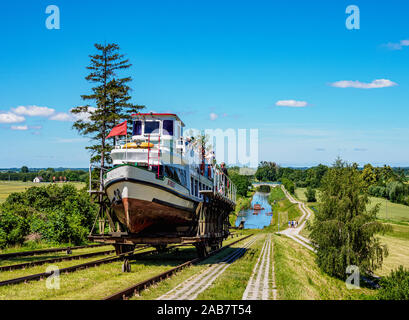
pixel 33 111
pixel 291 103
pixel 379 83
pixel 62 116
pixel 84 116
pixel 19 128
pixel 10 118
pixel 397 46
pixel 213 116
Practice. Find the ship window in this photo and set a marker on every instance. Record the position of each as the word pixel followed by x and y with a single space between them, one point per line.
pixel 192 187
pixel 137 128
pixel 182 176
pixel 151 127
pixel 171 173
pixel 196 188
pixel 168 127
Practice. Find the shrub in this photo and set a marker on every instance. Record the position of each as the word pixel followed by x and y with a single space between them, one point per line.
pixel 241 182
pixel 264 188
pixel 60 214
pixel 288 184
pixel 395 286
pixel 13 228
pixel 310 195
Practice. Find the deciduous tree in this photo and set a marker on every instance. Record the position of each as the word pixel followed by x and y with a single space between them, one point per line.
pixel 344 230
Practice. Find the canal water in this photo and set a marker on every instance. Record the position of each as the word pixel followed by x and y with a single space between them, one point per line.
pixel 256 219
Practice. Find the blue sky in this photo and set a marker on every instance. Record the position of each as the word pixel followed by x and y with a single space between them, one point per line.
pixel 219 64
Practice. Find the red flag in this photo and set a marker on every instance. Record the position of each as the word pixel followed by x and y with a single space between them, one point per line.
pixel 119 130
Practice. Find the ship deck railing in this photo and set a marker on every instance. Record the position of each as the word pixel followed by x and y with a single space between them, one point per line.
pixel 223 186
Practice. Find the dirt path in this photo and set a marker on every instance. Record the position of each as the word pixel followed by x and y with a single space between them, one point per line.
pixel 293 233
pixel 259 285
pixel 192 287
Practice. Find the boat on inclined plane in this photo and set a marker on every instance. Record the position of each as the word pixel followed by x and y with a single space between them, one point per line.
pixel 159 177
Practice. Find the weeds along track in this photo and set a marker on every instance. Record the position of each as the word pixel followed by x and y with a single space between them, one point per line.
pixel 39 276
pixel 192 287
pixel 43 251
pixel 258 287
pixel 53 260
pixel 135 289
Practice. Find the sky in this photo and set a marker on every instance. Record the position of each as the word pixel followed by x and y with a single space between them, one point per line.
pixel 313 88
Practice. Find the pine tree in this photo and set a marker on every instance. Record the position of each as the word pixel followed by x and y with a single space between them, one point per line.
pixel 111 101
pixel 344 230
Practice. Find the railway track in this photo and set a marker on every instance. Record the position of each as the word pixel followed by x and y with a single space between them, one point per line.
pixel 192 287
pixel 258 287
pixel 39 276
pixel 43 251
pixel 59 259
pixel 135 289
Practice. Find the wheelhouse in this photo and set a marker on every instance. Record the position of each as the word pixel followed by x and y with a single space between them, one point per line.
pixel 166 125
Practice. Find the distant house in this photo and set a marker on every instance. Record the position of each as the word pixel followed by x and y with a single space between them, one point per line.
pixel 38 179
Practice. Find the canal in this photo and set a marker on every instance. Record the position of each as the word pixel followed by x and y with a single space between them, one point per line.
pixel 256 219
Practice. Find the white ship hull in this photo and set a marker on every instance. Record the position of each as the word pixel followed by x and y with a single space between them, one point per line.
pixel 140 200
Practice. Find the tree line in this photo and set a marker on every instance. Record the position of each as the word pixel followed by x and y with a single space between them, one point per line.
pixel 385 182
pixel 46 174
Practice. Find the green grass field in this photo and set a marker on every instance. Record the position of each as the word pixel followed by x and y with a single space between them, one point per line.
pixel 299 278
pixel 300 194
pixel 390 211
pixel 7 187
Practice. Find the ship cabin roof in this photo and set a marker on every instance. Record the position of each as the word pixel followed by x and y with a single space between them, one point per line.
pixel 158 116
pixel 154 124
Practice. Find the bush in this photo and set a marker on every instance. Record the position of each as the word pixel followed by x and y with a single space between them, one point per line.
pixel 264 188
pixel 13 229
pixel 288 184
pixel 310 195
pixel 60 214
pixel 395 286
pixel 241 182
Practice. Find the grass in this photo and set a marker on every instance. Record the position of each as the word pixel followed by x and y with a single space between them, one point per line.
pixel 398 243
pixel 285 211
pixel 276 194
pixel 7 187
pixel 232 283
pixel 389 210
pixel 36 245
pixel 300 195
pixel 168 284
pixel 398 254
pixel 17 260
pixel 97 282
pixel 299 278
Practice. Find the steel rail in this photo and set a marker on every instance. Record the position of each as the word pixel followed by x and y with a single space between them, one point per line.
pixel 52 260
pixel 42 251
pixel 135 289
pixel 95 263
